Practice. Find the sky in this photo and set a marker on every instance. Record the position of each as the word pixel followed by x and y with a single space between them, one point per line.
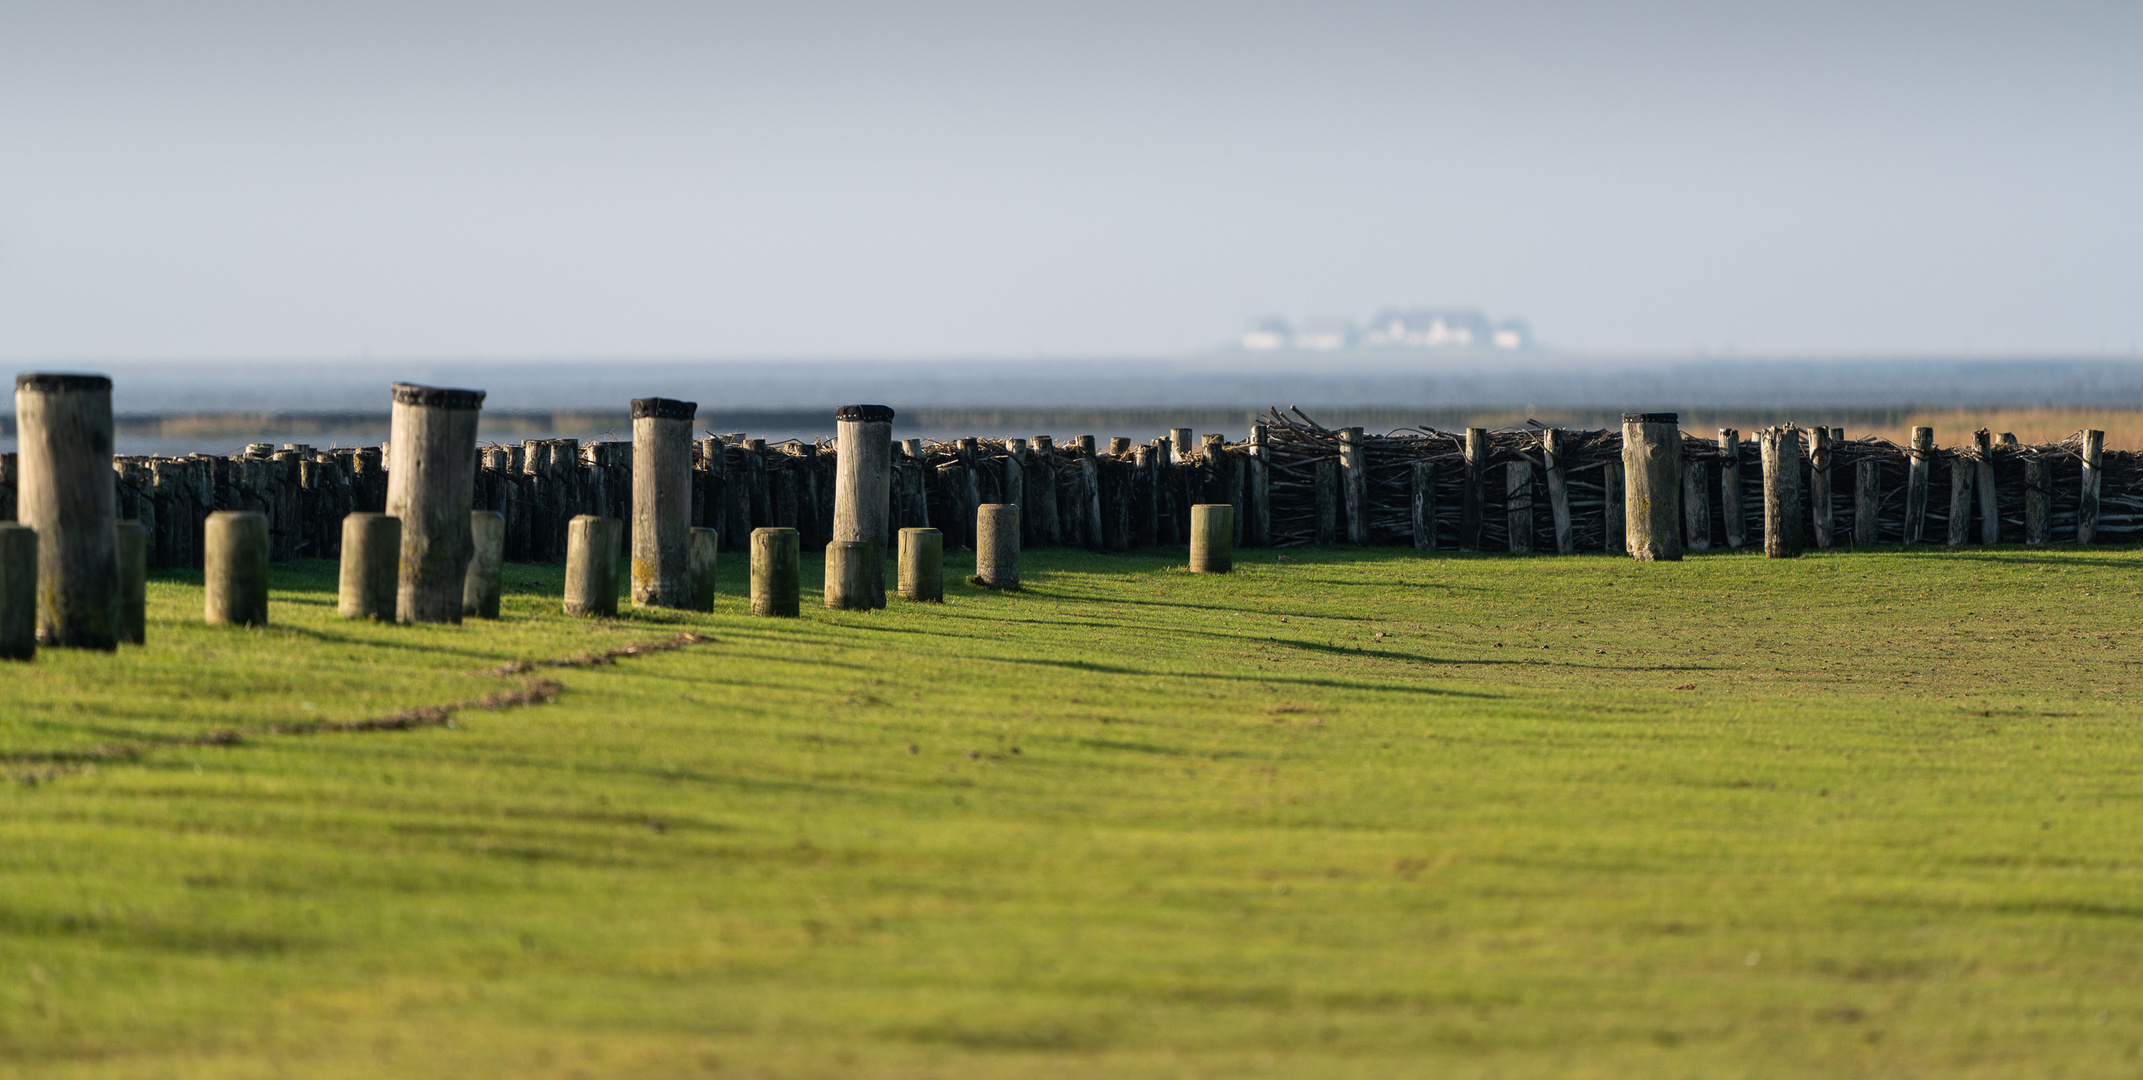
pixel 625 180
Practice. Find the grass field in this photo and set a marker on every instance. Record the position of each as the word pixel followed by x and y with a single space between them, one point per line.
pixel 1351 814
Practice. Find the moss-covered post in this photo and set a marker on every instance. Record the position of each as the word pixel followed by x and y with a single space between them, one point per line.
pixel 777 578
pixel 64 490
pixel 431 487
pixel 1652 486
pixel 662 502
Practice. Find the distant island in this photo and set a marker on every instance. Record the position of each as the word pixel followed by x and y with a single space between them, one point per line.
pixel 1392 328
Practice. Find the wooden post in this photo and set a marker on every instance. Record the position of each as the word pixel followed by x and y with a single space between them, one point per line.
pixel 2094 449
pixel 848 575
pixel 1518 504
pixel 592 544
pixel 1652 479
pixel 1552 456
pixel 1040 509
pixel 705 547
pixel 662 502
pixel 487 558
pixel 1257 532
pixel 1354 479
pixel 922 565
pixel 1696 505
pixel 1990 515
pixel 1963 478
pixel 18 592
pixel 235 574
pixel 1424 491
pixel 371 562
pixel 1867 477
pixel 1819 500
pixel 1180 442
pixel 1469 503
pixel 1090 497
pixel 1212 533
pixel 1730 506
pixel 1119 446
pixel 1614 530
pixel 1144 497
pixel 2038 501
pixel 133 550
pixel 1782 494
pixel 1326 491
pixel 997 546
pixel 64 490
pixel 431 487
pixel 1920 456
pixel 777 573
pixel 862 485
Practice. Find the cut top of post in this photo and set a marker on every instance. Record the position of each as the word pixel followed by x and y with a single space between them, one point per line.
pixel 412 394
pixel 657 408
pixel 867 413
pixel 56 383
pixel 1651 418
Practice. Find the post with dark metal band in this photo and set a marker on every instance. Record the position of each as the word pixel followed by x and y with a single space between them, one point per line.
pixel 431 487
pixel 64 490
pixel 662 502
pixel 862 485
pixel 1652 485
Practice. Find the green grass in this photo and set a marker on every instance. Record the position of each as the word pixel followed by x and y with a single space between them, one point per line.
pixel 1355 813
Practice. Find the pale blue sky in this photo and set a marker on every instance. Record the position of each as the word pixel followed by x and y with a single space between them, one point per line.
pixel 444 179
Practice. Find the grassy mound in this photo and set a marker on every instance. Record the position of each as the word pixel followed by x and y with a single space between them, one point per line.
pixel 1353 813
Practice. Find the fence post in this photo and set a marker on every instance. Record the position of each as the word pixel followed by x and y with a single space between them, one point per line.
pixel 1469 503
pixel 1990 516
pixel 1819 501
pixel 1354 478
pixel 431 487
pixel 64 490
pixel 1731 510
pixel 1782 491
pixel 662 502
pixel 862 485
pixel 1920 458
pixel 1558 470
pixel 1652 479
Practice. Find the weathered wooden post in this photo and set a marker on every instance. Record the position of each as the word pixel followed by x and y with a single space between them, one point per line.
pixel 1553 457
pixel 1819 501
pixel 1257 532
pixel 922 565
pixel 1920 455
pixel 18 591
pixel 592 545
pixel 1040 509
pixel 371 562
pixel 2038 501
pixel 662 502
pixel 777 572
pixel 235 566
pixel 1614 530
pixel 1652 483
pixel 1963 478
pixel 997 546
pixel 1181 445
pixel 2094 450
pixel 1354 483
pixel 431 487
pixel 1782 491
pixel 704 547
pixel 862 485
pixel 133 551
pixel 64 490
pixel 1867 496
pixel 1424 505
pixel 1990 516
pixel 1696 505
pixel 1518 504
pixel 848 575
pixel 1469 503
pixel 1730 506
pixel 1212 538
pixel 487 559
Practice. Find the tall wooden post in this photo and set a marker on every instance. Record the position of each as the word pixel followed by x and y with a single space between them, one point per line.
pixel 1424 491
pixel 431 487
pixel 1782 491
pixel 1731 511
pixel 1963 477
pixel 1354 484
pixel 1867 476
pixel 1696 506
pixel 1257 532
pixel 1040 509
pixel 997 546
pixel 1920 457
pixel 235 568
pixel 64 490
pixel 1819 501
pixel 18 592
pixel 862 485
pixel 1652 479
pixel 2094 449
pixel 1553 457
pixel 1990 515
pixel 1469 503
pixel 662 502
